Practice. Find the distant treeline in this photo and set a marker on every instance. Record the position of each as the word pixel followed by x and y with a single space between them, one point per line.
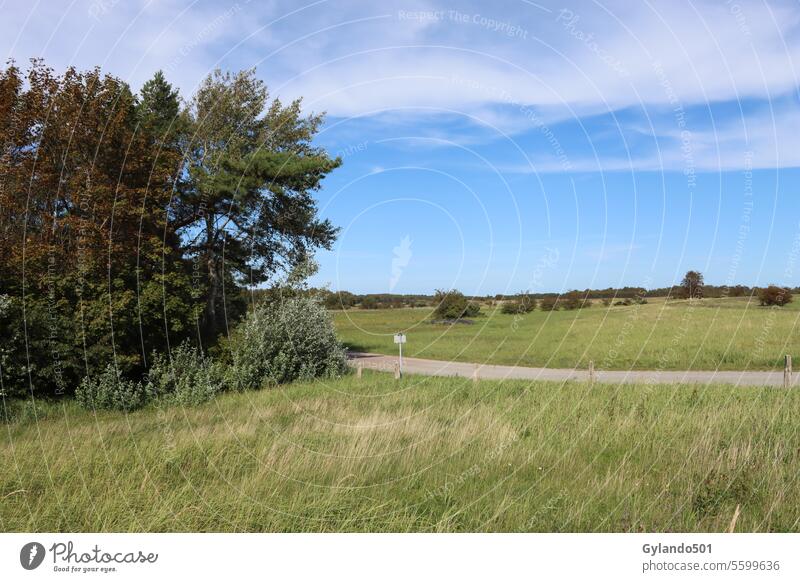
pixel 347 300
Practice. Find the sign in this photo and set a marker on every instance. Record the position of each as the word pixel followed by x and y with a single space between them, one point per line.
pixel 399 338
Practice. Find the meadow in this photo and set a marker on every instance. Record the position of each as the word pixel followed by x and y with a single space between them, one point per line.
pixel 422 454
pixel 709 334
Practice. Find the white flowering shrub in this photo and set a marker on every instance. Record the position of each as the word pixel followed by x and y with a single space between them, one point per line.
pixel 111 391
pixel 289 339
pixel 188 377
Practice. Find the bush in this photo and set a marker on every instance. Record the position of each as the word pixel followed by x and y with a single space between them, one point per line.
pixel 607 301
pixel 510 307
pixel 575 300
pixel 189 377
pixel 549 304
pixel 111 391
pixel 524 304
pixel 292 339
pixel 774 295
pixel 453 305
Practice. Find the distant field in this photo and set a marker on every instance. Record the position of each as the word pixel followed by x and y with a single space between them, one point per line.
pixel 726 334
pixel 424 454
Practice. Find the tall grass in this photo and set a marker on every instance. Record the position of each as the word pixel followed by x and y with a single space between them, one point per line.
pixel 421 454
pixel 726 334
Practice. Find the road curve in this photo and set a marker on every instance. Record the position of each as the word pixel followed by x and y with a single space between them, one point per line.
pixel 492 372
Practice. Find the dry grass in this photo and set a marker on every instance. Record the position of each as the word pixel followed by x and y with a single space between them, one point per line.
pixel 424 454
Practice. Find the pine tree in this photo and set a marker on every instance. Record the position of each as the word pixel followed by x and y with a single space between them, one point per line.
pixel 252 171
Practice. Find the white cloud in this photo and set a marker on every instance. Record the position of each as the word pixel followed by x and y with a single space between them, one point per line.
pixel 362 58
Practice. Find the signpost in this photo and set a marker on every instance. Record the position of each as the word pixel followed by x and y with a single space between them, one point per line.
pixel 400 339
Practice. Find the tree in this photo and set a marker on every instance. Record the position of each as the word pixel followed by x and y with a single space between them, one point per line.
pixel 247 211
pixel 83 218
pixel 774 296
pixel 159 111
pixel 692 284
pixel 339 300
pixel 453 305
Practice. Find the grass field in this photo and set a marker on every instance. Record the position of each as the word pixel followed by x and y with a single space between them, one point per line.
pixel 726 334
pixel 424 454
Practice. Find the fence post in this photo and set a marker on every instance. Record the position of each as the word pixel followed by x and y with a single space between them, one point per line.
pixel 475 373
pixel 787 371
pixel 591 372
pixel 397 371
pixel 359 369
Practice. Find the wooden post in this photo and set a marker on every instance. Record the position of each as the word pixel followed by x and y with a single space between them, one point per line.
pixel 787 371
pixel 397 371
pixel 475 374
pixel 359 370
pixel 591 372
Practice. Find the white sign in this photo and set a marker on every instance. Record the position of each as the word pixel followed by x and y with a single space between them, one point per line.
pixel 399 338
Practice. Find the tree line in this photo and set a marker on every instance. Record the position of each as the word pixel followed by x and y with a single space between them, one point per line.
pixel 692 286
pixel 131 221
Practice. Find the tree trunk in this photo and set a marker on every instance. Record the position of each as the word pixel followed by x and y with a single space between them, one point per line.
pixel 213 276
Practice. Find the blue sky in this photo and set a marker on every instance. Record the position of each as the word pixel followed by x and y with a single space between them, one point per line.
pixel 496 147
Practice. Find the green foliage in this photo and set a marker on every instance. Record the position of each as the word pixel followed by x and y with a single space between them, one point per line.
pixel 111 391
pixel 549 303
pixel 453 305
pixel 289 339
pixel 188 377
pixel 116 209
pixel 369 303
pixel 32 359
pixel 159 110
pixel 692 285
pixel 774 295
pixel 574 300
pixel 523 303
pixel 86 156
pixel 339 300
pixel 253 171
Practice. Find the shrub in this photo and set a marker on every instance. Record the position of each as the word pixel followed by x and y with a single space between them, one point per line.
pixel 510 307
pixel 607 301
pixel 774 295
pixel 575 300
pixel 524 304
pixel 453 305
pixel 189 377
pixel 549 304
pixel 283 341
pixel 110 391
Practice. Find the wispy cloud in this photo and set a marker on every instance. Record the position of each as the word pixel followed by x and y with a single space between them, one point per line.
pixel 494 66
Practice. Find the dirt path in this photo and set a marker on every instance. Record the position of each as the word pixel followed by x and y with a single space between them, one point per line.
pixel 492 372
